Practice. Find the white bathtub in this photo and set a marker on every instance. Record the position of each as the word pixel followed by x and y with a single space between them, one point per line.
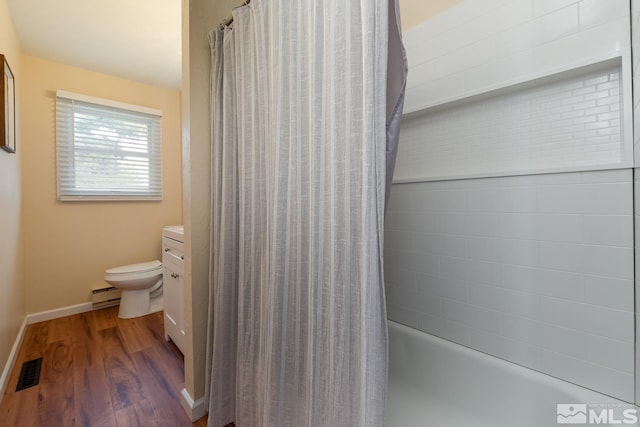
pixel 433 383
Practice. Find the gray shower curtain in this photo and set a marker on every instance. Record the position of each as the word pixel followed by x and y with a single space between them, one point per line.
pixel 299 98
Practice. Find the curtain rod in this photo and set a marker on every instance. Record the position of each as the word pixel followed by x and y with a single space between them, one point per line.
pixel 229 20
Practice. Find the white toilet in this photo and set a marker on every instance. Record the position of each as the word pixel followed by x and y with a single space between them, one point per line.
pixel 141 286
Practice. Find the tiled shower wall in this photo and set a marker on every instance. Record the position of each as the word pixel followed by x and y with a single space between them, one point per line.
pixel 535 269
pixel 569 122
pixel 477 46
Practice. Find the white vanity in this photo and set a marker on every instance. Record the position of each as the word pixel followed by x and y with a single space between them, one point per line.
pixel 173 271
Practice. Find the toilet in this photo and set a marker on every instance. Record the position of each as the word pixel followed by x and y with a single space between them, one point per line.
pixel 141 286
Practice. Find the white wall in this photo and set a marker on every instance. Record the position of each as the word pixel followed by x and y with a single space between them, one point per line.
pixel 535 269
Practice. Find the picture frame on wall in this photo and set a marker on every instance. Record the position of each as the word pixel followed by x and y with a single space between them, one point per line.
pixel 7 108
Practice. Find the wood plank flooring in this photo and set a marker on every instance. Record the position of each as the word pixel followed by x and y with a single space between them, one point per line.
pixel 99 370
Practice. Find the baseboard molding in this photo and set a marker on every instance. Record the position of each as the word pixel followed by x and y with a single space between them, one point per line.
pixel 195 410
pixel 59 312
pixel 8 367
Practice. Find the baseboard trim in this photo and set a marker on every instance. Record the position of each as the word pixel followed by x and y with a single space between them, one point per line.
pixel 58 312
pixel 195 410
pixel 8 367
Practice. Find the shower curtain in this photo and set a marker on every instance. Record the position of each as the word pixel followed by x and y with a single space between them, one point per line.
pixel 299 102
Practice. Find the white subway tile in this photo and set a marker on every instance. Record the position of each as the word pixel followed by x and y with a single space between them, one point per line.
pixel 609 100
pixel 566 341
pixel 444 287
pixel 505 300
pixel 418 301
pixel 396 239
pixel 558 178
pixel 413 221
pixel 612 230
pixel 422 93
pixel 606 176
pixel 402 315
pixel 459 333
pixel 469 224
pixel 507 251
pixel 615 324
pixel 543 7
pixel 470 270
pixel 456 16
pixel 524 330
pixel 512 350
pixel 543 29
pixel 597 260
pixel 520 181
pixel 608 292
pixel 420 262
pixel 610 353
pixel 400 198
pixel 399 278
pixel 489 75
pixel 472 316
pixel 585 44
pixel 430 324
pixel 597 12
pixel 483 25
pixel 606 322
pixel 535 32
pixel 443 244
pixel 558 284
pixel 439 201
pixel 486 296
pixel 588 199
pixel 559 228
pixel 468 184
pixel 502 200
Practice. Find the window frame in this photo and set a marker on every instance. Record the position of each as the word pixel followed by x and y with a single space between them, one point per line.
pixel 65 150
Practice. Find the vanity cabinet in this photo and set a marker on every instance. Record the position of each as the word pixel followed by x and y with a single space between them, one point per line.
pixel 173 286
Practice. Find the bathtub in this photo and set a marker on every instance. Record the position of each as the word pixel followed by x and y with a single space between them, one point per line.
pixel 434 382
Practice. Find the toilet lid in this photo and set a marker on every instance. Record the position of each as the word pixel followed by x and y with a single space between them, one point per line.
pixel 135 268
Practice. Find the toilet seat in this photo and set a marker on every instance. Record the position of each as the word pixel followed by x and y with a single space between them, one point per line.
pixel 133 271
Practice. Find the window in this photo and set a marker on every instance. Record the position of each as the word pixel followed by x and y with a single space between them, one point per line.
pixel 107 150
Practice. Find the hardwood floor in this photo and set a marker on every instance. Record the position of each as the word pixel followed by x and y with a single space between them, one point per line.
pixel 99 370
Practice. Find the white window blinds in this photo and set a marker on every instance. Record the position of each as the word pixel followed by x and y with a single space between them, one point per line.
pixel 107 150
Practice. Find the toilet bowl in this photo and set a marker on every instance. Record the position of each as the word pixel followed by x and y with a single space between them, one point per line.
pixel 141 286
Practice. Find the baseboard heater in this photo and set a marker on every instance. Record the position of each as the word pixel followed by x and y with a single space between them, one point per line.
pixel 106 296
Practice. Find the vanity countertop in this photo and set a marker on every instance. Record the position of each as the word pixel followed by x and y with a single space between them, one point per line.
pixel 175 232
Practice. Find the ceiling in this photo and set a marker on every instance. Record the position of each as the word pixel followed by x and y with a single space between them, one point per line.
pixel 138 40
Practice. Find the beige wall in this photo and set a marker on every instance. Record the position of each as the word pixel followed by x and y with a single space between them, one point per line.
pixel 199 17
pixel 413 12
pixel 68 245
pixel 12 303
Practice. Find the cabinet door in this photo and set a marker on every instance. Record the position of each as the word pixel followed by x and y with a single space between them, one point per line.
pixel 173 301
pixel 181 321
